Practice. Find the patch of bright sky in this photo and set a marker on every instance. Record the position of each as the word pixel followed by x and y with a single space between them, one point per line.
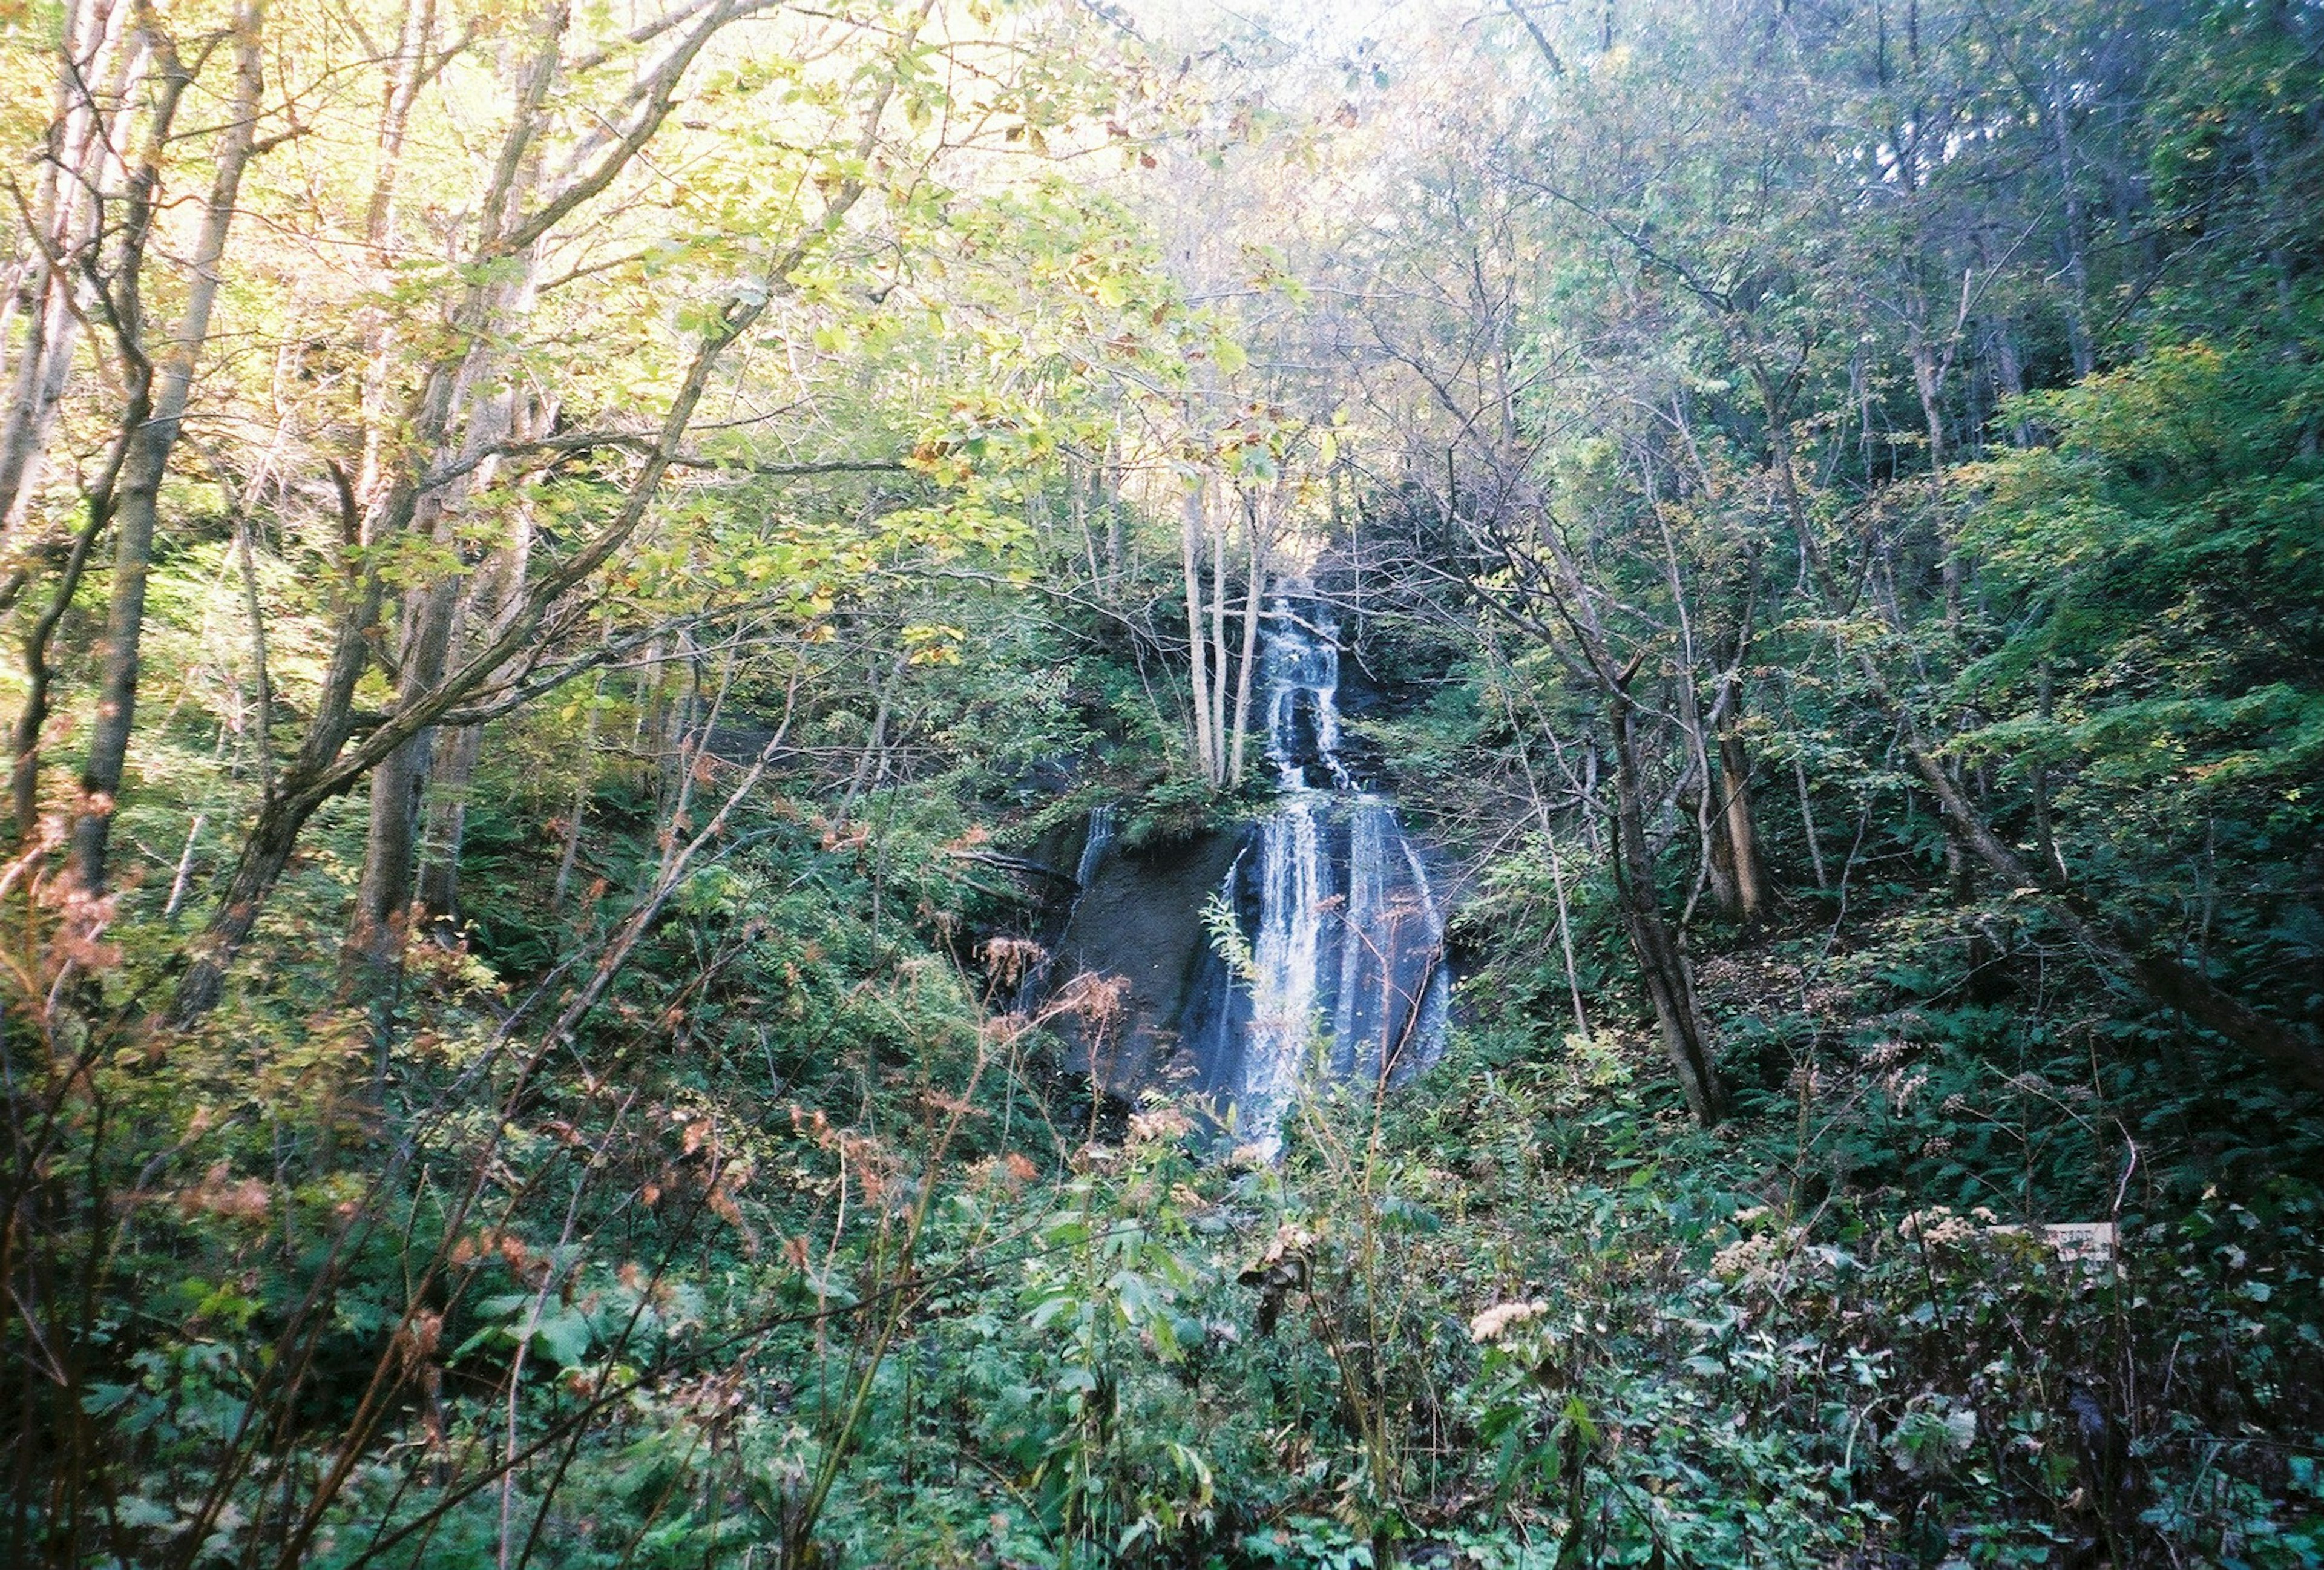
pixel 1327 30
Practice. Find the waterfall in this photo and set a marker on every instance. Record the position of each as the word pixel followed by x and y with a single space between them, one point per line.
pixel 1346 941
pixel 1095 843
pixel 1097 840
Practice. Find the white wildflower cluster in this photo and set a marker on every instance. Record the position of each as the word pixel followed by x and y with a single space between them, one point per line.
pixel 1939 1228
pixel 1498 1321
pixel 1761 1251
pixel 1756 1257
pixel 1902 1086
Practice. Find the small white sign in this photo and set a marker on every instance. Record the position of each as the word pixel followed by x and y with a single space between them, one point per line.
pixel 2093 1240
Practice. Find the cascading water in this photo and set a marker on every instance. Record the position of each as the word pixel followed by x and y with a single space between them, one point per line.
pixel 1345 967
pixel 1036 976
pixel 1095 843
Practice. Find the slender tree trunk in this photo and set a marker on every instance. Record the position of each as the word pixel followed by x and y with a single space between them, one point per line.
pixel 1808 822
pixel 2046 838
pixel 446 823
pixel 433 619
pixel 1255 594
pixel 672 741
pixel 647 723
pixel 1549 841
pixel 447 827
pixel 582 790
pixel 1110 493
pixel 265 855
pixel 1709 820
pixel 24 774
pixel 1566 928
pixel 1932 365
pixel 180 881
pixel 1752 894
pixel 1207 752
pixel 2078 273
pixel 1662 963
pixel 391 844
pixel 415 28
pixel 138 175
pixel 1218 697
pixel 2009 370
pixel 873 763
pixel 1742 835
pixel 43 366
pixel 147 461
pixel 457 390
pixel 62 230
pixel 1081 497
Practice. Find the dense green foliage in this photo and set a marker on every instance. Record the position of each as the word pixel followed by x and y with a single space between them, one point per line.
pixel 542 1050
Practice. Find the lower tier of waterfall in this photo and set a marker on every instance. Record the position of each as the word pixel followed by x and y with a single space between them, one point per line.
pixel 1343 975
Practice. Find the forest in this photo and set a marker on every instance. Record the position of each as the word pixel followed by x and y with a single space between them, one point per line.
pixel 1060 784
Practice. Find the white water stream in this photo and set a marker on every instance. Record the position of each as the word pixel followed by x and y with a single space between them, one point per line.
pixel 1347 974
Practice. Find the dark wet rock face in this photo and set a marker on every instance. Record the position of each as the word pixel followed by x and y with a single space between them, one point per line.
pixel 1138 924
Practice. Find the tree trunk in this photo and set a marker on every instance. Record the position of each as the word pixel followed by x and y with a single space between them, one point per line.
pixel 378 323
pixel 447 821
pixel 24 774
pixel 1932 368
pixel 873 761
pixel 63 229
pixel 433 613
pixel 2078 272
pixel 1662 963
pixel 581 790
pixel 1506 675
pixel 391 844
pixel 1219 647
pixel 2009 371
pixel 146 461
pixel 121 301
pixel 1206 751
pixel 1254 595
pixel 1808 822
pixel 1110 493
pixel 1709 820
pixel 446 826
pixel 43 366
pixel 2046 838
pixel 1742 837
